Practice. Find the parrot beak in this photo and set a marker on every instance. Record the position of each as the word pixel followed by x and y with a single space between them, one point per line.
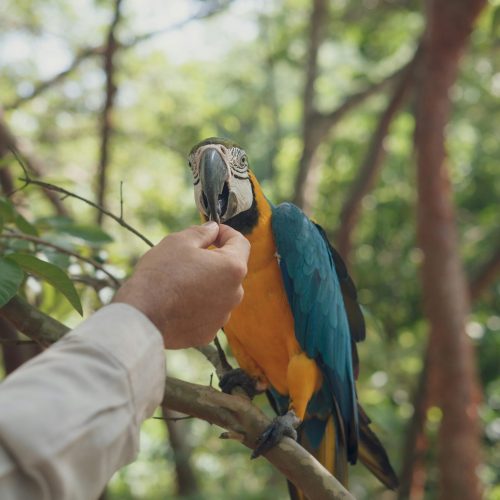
pixel 215 189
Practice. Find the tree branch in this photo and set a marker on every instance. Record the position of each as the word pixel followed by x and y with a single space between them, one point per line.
pixel 373 160
pixel 316 128
pixel 236 414
pixel 88 52
pixel 33 323
pixel 107 111
pixel 44 85
pixel 9 143
pixel 40 241
pixel 52 187
pixel 311 136
pixel 246 422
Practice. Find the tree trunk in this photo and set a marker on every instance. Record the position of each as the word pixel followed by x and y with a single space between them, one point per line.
pixel 187 484
pixel 446 304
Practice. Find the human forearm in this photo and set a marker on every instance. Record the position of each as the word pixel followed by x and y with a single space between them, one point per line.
pixel 70 418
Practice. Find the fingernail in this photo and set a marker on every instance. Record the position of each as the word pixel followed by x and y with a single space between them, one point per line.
pixel 210 223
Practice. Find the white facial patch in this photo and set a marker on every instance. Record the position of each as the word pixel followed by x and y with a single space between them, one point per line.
pixel 240 188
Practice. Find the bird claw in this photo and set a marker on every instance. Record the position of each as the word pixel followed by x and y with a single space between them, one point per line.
pixel 239 378
pixel 280 426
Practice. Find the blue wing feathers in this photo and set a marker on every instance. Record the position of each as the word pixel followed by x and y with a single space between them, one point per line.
pixel 312 284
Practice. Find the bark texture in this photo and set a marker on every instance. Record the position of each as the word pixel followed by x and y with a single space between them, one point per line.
pixel 449 24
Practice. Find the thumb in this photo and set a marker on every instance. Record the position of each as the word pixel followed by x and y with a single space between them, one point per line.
pixel 201 236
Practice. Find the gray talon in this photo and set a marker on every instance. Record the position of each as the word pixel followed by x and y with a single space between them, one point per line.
pixel 284 425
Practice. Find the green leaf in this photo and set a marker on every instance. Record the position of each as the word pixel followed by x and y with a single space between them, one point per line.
pixel 53 221
pixel 7 210
pixel 90 234
pixel 25 226
pixel 9 214
pixel 51 274
pixel 11 277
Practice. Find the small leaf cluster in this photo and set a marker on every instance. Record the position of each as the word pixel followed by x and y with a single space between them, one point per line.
pixel 45 249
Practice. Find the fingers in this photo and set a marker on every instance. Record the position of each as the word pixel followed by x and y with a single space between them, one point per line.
pixel 231 241
pixel 200 236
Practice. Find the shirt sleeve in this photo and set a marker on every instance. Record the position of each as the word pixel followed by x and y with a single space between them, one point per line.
pixel 70 417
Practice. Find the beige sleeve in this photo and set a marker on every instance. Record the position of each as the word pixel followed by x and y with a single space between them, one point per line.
pixel 70 417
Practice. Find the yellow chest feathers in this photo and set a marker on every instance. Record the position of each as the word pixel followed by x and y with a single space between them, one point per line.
pixel 261 329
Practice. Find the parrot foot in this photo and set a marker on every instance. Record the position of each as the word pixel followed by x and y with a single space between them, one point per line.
pixel 239 378
pixel 284 425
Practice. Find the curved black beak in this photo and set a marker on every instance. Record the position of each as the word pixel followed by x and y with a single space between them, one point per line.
pixel 213 178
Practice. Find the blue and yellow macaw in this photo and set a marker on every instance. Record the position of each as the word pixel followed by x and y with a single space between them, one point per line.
pixel 294 334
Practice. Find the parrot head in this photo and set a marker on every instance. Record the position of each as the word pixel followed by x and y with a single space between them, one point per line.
pixel 223 187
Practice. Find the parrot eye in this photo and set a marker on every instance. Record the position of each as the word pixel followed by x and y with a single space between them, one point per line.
pixel 244 160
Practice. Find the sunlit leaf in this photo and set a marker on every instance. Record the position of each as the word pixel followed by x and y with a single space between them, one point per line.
pixel 49 273
pixel 11 277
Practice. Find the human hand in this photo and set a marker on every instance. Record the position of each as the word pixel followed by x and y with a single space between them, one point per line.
pixel 186 290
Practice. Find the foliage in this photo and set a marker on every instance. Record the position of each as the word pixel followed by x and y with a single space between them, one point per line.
pixel 240 74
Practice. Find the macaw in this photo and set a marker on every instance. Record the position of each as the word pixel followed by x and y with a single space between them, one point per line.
pixel 294 334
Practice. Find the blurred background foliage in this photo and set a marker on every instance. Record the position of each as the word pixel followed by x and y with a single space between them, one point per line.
pixel 240 72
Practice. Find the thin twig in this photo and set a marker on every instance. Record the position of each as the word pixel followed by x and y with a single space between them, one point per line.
pixel 40 241
pixel 52 187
